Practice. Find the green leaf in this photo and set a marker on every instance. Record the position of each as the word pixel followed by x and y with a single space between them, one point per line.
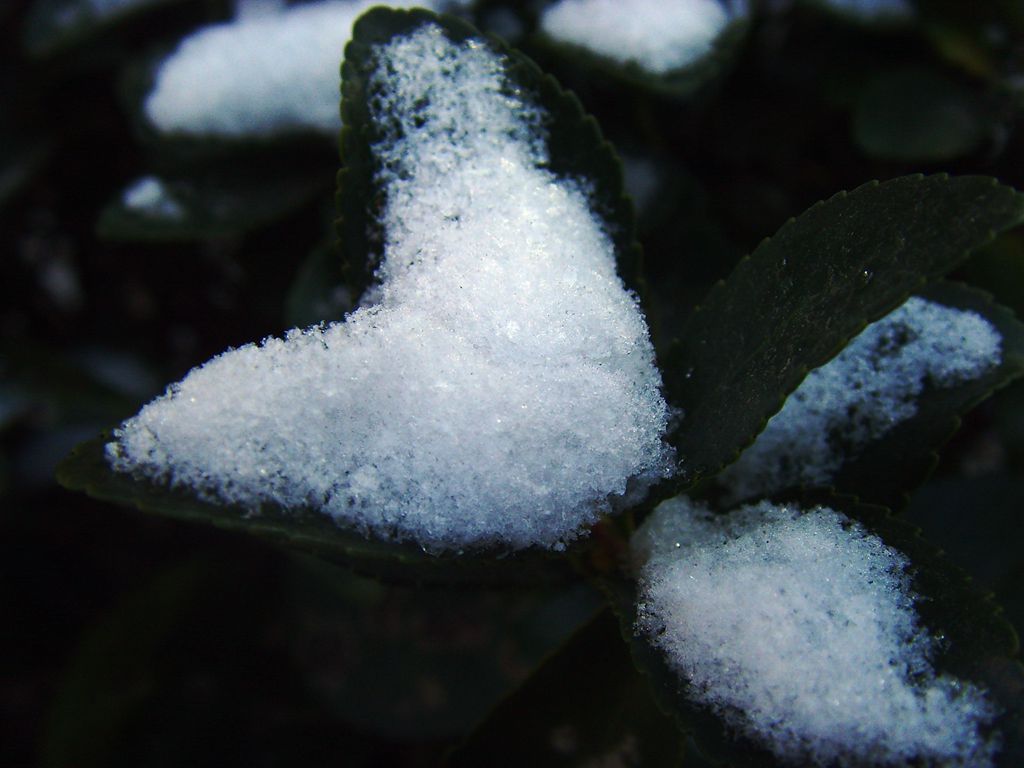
pixel 585 706
pixel 212 203
pixel 886 470
pixel 306 530
pixel 679 83
pixel 976 643
pixel 576 148
pixel 916 115
pixel 795 302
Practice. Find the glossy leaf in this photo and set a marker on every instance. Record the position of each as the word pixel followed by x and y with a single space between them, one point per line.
pixel 306 530
pixel 575 145
pixel 796 301
pixel 977 643
pixel 887 469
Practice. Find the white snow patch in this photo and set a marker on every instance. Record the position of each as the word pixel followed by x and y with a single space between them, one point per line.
pixel 862 393
pixel 261 74
pixel 150 196
pixel 800 630
pixel 503 389
pixel 658 35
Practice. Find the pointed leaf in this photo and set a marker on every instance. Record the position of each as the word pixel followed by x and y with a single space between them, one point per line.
pixel 575 146
pixel 797 300
pixel 887 469
pixel 308 531
pixel 572 140
pixel 585 706
pixel 974 642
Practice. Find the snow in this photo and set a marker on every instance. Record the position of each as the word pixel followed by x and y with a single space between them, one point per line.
pixel 800 630
pixel 502 388
pixel 658 35
pixel 262 74
pixel 862 393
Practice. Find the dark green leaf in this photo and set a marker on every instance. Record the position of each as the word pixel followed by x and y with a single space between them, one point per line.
pixel 576 147
pixel 309 531
pixel 886 470
pixel 976 643
pixel 802 294
pixel 210 204
pixel 917 115
pixel 585 706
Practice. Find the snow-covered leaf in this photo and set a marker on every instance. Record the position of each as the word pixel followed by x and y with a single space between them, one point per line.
pixel 496 390
pixel 804 293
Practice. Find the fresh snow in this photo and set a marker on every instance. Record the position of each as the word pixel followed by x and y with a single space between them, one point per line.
pixel 264 73
pixel 502 388
pixel 800 630
pixel 862 393
pixel 658 35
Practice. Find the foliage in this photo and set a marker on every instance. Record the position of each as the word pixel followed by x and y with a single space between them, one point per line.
pixel 202 622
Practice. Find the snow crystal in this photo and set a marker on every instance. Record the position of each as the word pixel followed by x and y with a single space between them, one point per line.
pixel 658 35
pixel 502 390
pixel 800 630
pixel 150 196
pixel 261 74
pixel 869 388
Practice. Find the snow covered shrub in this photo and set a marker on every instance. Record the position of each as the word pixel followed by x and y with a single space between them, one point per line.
pixel 497 405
